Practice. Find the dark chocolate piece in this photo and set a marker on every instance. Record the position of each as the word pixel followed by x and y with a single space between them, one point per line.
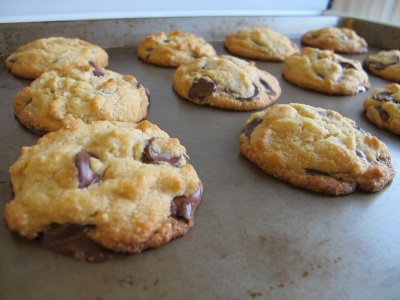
pixel 346 65
pixel 251 126
pixel 183 207
pixel 362 89
pixel 267 87
pixel 86 176
pixel 151 157
pixel 96 72
pixel 382 113
pixel 71 240
pixel 385 96
pixel 255 95
pixel 201 89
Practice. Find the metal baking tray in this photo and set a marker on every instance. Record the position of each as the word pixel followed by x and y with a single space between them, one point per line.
pixel 255 237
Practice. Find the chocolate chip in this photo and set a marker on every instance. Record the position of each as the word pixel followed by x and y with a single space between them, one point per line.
pixel 267 87
pixel 151 157
pixel 12 60
pixel 86 176
pixel 385 96
pixel 248 130
pixel 71 240
pixel 316 172
pixel 166 41
pixel 96 72
pixel 362 89
pixel 382 113
pixel 255 95
pixel 201 89
pixel 183 207
pixel 346 65
pixel 361 154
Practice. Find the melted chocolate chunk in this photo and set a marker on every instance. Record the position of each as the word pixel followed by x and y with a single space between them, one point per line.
pixel 248 130
pixel 384 96
pixel 86 176
pixel 201 89
pixel 71 240
pixel 382 113
pixel 316 172
pixel 255 95
pixel 183 207
pixel 151 157
pixel 14 60
pixel 361 154
pixel 346 65
pixel 96 72
pixel 267 87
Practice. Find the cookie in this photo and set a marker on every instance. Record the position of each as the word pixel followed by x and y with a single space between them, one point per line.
pixel 260 43
pixel 326 72
pixel 316 149
pixel 173 49
pixel 226 82
pixel 385 64
pixel 54 53
pixel 341 40
pixel 382 107
pixel 94 190
pixel 84 94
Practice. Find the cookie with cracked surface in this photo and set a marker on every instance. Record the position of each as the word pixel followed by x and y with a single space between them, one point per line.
pixel 97 189
pixel 385 64
pixel 226 82
pixel 260 43
pixel 341 40
pixel 54 53
pixel 84 94
pixel 382 107
pixel 316 149
pixel 326 72
pixel 173 49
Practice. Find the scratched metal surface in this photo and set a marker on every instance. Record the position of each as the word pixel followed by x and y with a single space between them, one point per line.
pixel 255 237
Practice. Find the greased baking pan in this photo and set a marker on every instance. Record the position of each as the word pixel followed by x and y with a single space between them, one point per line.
pixel 255 237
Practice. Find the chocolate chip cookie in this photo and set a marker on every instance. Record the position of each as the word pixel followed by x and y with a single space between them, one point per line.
pixel 385 64
pixel 316 149
pixel 341 40
pixel 85 94
pixel 173 49
pixel 260 43
pixel 326 72
pixel 97 189
pixel 226 82
pixel 382 107
pixel 54 53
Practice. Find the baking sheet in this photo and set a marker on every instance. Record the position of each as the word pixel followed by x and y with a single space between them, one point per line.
pixel 254 237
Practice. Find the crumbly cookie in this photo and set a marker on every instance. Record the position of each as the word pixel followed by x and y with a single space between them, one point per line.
pixel 382 107
pixel 173 49
pixel 316 149
pixel 260 43
pixel 326 72
pixel 96 189
pixel 341 40
pixel 84 94
pixel 385 64
pixel 54 53
pixel 226 82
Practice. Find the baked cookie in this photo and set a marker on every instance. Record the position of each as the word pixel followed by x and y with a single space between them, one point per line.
pixel 102 188
pixel 260 43
pixel 173 49
pixel 382 107
pixel 54 53
pixel 226 82
pixel 385 64
pixel 86 94
pixel 341 40
pixel 326 72
pixel 316 149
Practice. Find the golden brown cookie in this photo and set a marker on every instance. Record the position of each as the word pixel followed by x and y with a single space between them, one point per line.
pixel 316 149
pixel 226 82
pixel 326 72
pixel 341 40
pixel 173 49
pixel 54 53
pixel 385 64
pixel 382 107
pixel 95 189
pixel 260 43
pixel 84 94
